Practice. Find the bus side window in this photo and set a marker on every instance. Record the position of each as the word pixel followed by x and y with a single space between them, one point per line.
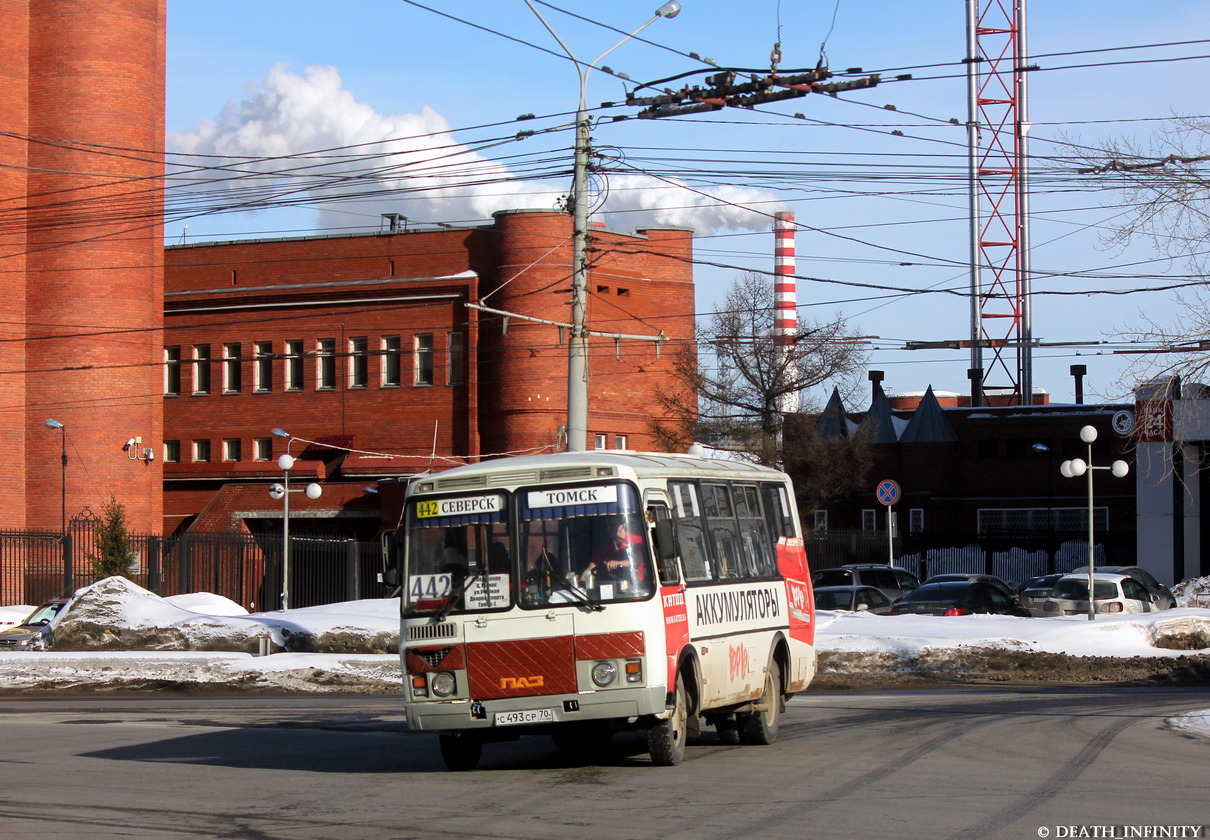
pixel 720 518
pixel 692 537
pixel 776 514
pixel 665 544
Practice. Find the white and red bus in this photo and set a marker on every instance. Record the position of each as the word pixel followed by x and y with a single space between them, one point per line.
pixel 579 594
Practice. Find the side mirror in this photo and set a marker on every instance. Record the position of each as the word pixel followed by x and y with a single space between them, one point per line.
pixel 390 559
pixel 667 546
pixel 862 607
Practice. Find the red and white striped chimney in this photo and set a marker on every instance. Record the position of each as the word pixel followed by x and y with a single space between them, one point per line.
pixel 785 295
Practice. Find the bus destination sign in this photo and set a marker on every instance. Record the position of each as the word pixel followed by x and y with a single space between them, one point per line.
pixel 459 506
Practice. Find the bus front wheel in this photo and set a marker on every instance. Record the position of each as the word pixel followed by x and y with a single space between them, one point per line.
pixel 460 751
pixel 760 727
pixel 666 738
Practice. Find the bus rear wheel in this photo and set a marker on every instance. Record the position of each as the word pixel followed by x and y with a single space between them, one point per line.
pixel 761 727
pixel 666 738
pixel 460 751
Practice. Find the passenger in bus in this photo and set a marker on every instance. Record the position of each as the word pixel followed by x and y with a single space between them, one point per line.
pixel 617 559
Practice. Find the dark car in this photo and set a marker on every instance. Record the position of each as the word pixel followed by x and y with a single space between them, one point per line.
pixel 894 583
pixel 852 598
pixel 1034 592
pixel 957 597
pixel 34 633
pixel 992 579
pixel 1163 599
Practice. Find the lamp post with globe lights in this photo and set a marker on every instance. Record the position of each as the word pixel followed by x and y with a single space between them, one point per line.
pixel 1075 468
pixel 282 491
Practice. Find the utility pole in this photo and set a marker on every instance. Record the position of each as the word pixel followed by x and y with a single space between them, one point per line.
pixel 577 345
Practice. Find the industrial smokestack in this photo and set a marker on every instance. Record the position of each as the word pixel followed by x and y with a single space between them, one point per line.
pixel 785 295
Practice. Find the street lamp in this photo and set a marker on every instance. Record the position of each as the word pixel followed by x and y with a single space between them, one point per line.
pixel 55 424
pixel 282 491
pixel 68 573
pixel 1075 468
pixel 577 345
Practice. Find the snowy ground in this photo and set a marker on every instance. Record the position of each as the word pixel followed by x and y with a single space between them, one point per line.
pixel 117 636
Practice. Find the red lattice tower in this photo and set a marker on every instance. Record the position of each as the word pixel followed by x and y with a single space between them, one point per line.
pixel 1001 318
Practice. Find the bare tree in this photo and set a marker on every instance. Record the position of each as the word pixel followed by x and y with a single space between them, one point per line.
pixel 1165 183
pixel 742 376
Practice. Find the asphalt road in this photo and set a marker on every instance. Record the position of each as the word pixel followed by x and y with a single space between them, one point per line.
pixel 964 764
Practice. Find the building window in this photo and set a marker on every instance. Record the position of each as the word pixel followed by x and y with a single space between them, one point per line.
pixel 423 349
pixel 294 365
pixel 201 450
pixel 262 448
pixel 1040 520
pixel 232 378
pixel 172 451
pixel 916 521
pixel 619 441
pixel 455 345
pixel 232 451
pixel 869 520
pixel 325 364
pixel 392 352
pixel 598 441
pixel 201 368
pixel 359 362
pixel 263 371
pixel 821 521
pixel 172 371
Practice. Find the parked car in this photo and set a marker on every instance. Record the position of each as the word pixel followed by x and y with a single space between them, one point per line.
pixel 852 598
pixel 992 579
pixel 957 597
pixel 35 632
pixel 1034 592
pixel 1111 594
pixel 894 583
pixel 1166 599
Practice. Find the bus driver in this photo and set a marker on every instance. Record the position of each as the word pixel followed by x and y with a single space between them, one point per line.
pixel 613 560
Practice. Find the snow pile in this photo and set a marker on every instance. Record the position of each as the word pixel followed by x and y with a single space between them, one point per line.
pixel 116 614
pixel 1194 592
pixel 117 635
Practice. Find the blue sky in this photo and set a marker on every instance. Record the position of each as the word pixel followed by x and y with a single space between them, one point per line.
pixel 274 77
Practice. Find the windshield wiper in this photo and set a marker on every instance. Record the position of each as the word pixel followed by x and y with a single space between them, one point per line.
pixel 592 603
pixel 555 579
pixel 455 596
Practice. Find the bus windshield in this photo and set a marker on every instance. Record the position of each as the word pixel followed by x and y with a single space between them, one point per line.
pixel 458 554
pixel 583 544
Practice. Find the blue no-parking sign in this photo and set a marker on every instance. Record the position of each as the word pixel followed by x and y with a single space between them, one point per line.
pixel 887 492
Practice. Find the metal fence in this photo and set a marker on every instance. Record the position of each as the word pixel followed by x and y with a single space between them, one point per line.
pixel 1012 557
pixel 243 567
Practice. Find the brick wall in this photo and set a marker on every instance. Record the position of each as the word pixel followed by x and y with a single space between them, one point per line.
pixel 510 392
pixel 88 78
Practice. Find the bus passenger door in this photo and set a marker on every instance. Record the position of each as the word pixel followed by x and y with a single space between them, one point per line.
pixel 672 587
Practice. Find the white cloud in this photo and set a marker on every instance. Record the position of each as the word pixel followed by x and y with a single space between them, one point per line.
pixel 280 141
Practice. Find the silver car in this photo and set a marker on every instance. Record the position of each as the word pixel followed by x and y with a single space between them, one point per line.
pixel 1111 595
pixel 34 633
pixel 1165 599
pixel 852 599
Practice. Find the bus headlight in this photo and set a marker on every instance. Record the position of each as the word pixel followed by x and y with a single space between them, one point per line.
pixel 604 673
pixel 634 670
pixel 443 684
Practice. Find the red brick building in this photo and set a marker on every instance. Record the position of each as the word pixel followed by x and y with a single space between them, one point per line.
pixel 367 349
pixel 81 291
